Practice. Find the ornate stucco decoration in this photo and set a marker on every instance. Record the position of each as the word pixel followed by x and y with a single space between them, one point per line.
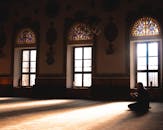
pixel 111 33
pixel 82 17
pixel 51 37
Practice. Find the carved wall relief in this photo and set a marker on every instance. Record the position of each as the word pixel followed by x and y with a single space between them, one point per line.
pixel 51 37
pixel 111 33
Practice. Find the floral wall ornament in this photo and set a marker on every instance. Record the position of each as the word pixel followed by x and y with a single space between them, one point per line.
pixel 26 32
pixel 81 27
pixel 26 36
pixel 111 33
pixel 51 37
pixel 50 57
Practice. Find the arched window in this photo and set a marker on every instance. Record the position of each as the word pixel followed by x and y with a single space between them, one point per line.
pixel 26 36
pixel 79 56
pixel 145 52
pixel 25 53
pixel 145 26
pixel 79 32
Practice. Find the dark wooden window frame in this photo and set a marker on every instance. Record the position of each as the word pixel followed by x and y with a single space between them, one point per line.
pixel 28 73
pixel 147 71
pixel 82 72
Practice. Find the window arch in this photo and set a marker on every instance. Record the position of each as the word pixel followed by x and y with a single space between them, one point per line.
pixel 26 36
pixel 79 56
pixel 79 32
pixel 145 26
pixel 25 53
pixel 146 53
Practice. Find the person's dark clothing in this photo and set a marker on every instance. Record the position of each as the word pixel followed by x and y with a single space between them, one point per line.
pixel 142 101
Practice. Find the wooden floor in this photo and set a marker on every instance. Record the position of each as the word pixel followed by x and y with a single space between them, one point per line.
pixel 75 114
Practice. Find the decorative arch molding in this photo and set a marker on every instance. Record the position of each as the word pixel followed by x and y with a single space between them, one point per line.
pixel 51 37
pixel 132 20
pixel 26 37
pixel 82 17
pixel 133 16
pixel 145 26
pixel 80 32
pixel 110 33
pixel 28 24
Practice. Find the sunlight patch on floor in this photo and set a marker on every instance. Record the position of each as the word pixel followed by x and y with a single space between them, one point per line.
pixel 5 98
pixel 32 104
pixel 71 119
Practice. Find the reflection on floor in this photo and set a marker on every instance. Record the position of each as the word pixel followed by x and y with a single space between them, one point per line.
pixel 77 114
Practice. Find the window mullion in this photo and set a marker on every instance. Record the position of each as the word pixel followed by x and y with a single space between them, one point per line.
pixel 22 61
pixel 147 59
pixel 82 66
pixel 28 68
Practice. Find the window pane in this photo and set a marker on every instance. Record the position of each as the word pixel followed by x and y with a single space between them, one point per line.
pixel 25 80
pixel 78 53
pixel 25 55
pixel 141 63
pixel 87 80
pixel 87 65
pixel 78 65
pixel 25 67
pixel 153 63
pixel 141 49
pixel 87 53
pixel 32 79
pixel 78 80
pixel 33 67
pixel 153 49
pixel 147 60
pixel 153 79
pixel 142 77
pixel 33 55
